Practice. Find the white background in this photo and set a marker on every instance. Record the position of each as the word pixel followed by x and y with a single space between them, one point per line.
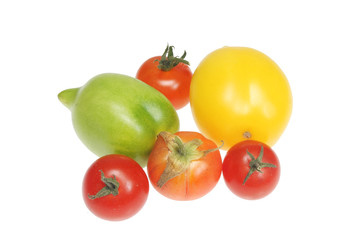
pixel 48 46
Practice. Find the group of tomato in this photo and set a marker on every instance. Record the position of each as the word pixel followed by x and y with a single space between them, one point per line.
pixel 182 165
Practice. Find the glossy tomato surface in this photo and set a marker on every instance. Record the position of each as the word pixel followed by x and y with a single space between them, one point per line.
pixel 236 166
pixel 200 177
pixel 118 114
pixel 132 191
pixel 239 93
pixel 174 84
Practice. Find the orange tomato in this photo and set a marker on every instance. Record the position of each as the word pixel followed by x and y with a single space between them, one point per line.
pixel 184 166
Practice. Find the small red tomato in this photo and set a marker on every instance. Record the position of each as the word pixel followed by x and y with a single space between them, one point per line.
pixel 115 187
pixel 169 75
pixel 251 169
pixel 184 166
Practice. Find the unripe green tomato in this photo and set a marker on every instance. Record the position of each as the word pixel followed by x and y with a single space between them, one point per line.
pixel 114 113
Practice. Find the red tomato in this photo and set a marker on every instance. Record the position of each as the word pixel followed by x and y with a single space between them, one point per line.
pixel 184 166
pixel 251 169
pixel 169 75
pixel 115 187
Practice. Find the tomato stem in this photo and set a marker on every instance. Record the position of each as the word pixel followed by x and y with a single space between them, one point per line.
pixel 247 135
pixel 168 61
pixel 111 187
pixel 256 164
pixel 180 155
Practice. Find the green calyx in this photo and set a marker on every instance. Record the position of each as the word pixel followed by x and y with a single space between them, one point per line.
pixel 256 164
pixel 180 156
pixel 111 187
pixel 168 61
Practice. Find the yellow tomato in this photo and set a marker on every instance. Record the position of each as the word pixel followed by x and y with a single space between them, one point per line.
pixel 239 93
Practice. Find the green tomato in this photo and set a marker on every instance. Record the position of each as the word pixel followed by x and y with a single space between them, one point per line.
pixel 114 113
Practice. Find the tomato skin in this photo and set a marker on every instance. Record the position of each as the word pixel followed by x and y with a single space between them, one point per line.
pixel 174 84
pixel 116 113
pixel 199 179
pixel 239 93
pixel 236 166
pixel 133 189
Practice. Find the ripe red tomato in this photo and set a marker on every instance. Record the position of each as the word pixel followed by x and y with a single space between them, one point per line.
pixel 169 75
pixel 115 187
pixel 184 166
pixel 251 169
